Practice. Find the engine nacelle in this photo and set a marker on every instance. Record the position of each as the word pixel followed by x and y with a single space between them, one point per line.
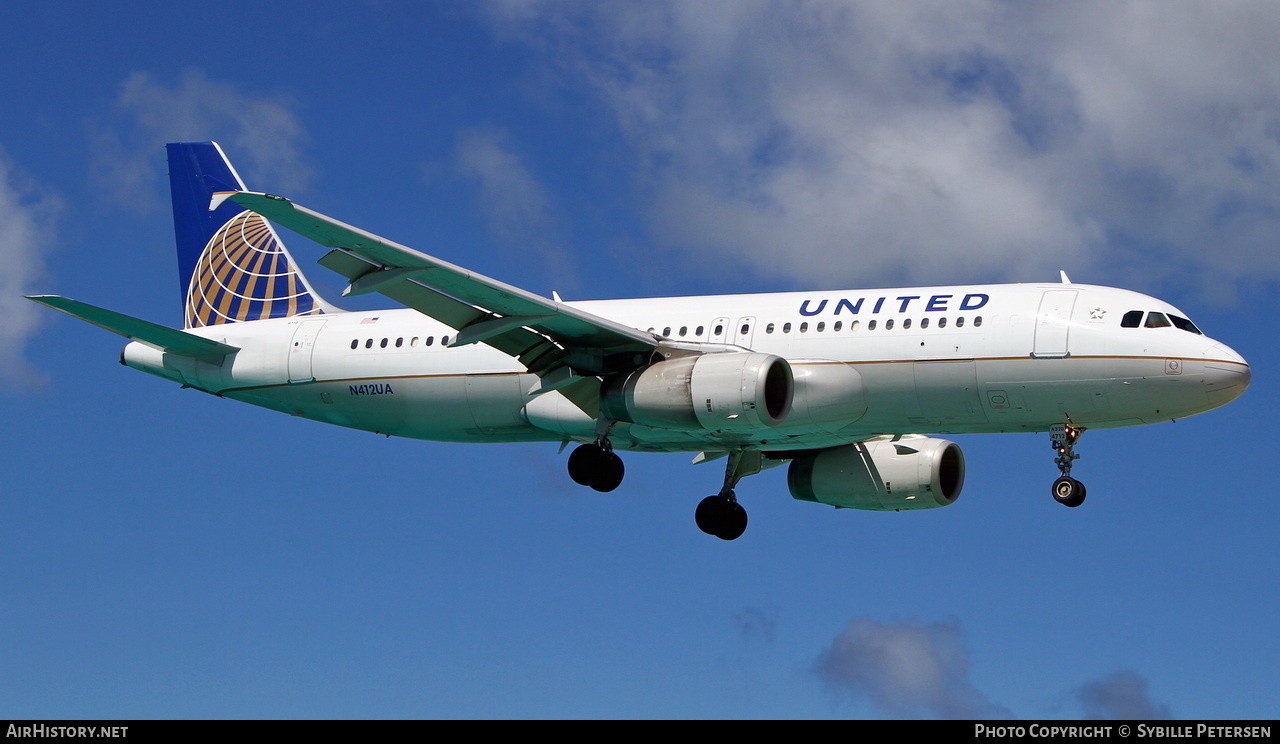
pixel 726 391
pixel 883 474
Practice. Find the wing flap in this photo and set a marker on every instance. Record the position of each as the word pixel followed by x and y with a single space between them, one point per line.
pixel 135 329
pixel 517 342
pixel 565 324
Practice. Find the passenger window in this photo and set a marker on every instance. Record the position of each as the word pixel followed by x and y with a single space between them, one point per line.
pixel 786 328
pixel 444 340
pixel 413 341
pixel 924 322
pixel 684 330
pixel 667 331
pixel 1157 320
pixel 871 325
pixel 837 326
pixel 700 330
pixel 768 328
pixel 906 324
pixel 430 340
pixel 853 325
pixel 960 322
pixel 804 327
pixel 355 343
pixel 888 324
pixel 1131 319
pixel 368 344
pixel 400 342
pixel 719 330
pixel 822 327
pixel 942 322
pixel 977 321
pixel 746 327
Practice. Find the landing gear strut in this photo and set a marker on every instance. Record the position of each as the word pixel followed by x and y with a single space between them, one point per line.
pixel 1066 490
pixel 721 515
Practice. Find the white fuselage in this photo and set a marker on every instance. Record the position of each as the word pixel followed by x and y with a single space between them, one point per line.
pixel 988 358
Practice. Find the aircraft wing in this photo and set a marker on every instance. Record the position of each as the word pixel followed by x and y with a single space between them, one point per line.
pixel 480 308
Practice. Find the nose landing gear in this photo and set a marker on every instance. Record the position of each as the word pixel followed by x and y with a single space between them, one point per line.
pixel 1066 490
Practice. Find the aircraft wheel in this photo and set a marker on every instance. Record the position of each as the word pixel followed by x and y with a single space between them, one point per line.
pixel 708 513
pixel 584 463
pixel 723 517
pixel 594 466
pixel 735 522
pixel 610 472
pixel 1068 491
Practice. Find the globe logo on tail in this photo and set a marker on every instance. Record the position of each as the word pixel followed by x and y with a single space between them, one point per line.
pixel 245 274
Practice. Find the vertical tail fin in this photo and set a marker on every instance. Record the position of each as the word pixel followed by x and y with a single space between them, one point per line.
pixel 231 264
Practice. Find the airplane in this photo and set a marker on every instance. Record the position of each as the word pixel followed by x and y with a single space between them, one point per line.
pixel 848 388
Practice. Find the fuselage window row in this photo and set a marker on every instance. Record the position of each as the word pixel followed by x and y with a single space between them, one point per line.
pixel 413 342
pixel 1129 321
pixel 871 325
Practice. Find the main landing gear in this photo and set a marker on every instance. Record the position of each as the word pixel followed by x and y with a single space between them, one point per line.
pixel 721 515
pixel 1066 490
pixel 597 466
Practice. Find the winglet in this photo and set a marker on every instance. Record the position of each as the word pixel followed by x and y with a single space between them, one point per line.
pixel 1065 279
pixel 218 198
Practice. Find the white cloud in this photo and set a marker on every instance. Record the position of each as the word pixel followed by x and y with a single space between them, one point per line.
pixel 1120 697
pixel 27 220
pixel 260 134
pixel 906 669
pixel 941 141
pixel 516 204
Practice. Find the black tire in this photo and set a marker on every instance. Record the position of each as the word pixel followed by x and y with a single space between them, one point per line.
pixel 710 514
pixel 585 464
pixel 733 522
pixel 1068 491
pixel 609 472
pixel 722 517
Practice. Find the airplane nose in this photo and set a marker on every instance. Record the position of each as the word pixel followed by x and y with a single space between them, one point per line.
pixel 1226 374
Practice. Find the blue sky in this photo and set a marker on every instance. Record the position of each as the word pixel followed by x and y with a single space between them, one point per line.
pixel 168 554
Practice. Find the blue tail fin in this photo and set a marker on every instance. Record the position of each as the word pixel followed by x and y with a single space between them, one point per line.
pixel 231 263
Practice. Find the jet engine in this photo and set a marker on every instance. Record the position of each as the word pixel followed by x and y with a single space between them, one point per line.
pixel 724 391
pixel 882 474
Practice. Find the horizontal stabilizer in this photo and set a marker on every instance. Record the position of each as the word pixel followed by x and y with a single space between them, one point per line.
pixel 135 329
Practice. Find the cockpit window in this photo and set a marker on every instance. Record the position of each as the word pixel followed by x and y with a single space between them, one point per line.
pixel 1184 324
pixel 1133 319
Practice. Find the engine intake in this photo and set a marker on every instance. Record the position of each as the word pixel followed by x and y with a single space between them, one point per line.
pixel 727 391
pixel 881 474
